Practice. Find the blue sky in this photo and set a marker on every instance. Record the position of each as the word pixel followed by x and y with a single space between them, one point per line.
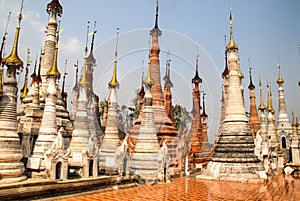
pixel 261 28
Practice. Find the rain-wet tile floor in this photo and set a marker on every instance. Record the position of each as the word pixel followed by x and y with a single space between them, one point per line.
pixel 282 187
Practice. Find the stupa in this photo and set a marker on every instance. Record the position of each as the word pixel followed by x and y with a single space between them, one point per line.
pixel 234 158
pixel 11 167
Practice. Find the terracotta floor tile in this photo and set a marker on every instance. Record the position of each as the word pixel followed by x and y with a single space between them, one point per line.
pixel 185 189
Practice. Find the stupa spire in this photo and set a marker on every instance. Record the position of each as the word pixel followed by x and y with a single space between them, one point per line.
pixel 167 79
pixel 283 121
pixel 13 59
pixel 148 81
pixel 83 80
pixel 54 9
pixel 253 119
pixel 270 103
pixel 54 70
pixel 114 82
pixel 90 63
pixel 251 85
pixel 204 115
pixel 90 59
pixel 197 80
pixel 156 30
pixel 24 90
pixel 232 46
pixel 225 72
pixel 64 94
pixel 279 80
pixel 262 106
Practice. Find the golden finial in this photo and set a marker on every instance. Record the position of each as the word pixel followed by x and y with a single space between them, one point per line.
pixel 231 46
pixel 270 104
pixel 83 80
pixel 148 81
pixel 54 70
pixel 114 82
pixel 13 59
pixel 279 80
pixel 262 106
pixel 24 90
pixel 241 75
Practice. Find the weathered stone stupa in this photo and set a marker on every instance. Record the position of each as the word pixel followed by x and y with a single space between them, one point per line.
pixel 48 129
pixel 144 161
pixel 234 158
pixel 111 135
pixel 84 145
pixel 167 89
pixel 11 169
pixel 205 151
pixel 284 127
pixel 55 10
pixel 164 126
pixel 196 126
pixel 253 119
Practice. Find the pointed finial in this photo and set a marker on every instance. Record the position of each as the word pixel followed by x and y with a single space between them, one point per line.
pixel 76 74
pixel 33 75
pixel 197 79
pixel 262 106
pixel 4 38
pixel 90 59
pixel 83 80
pixel 13 59
pixel 297 122
pixel 279 80
pixel 38 78
pixel 114 82
pixel 270 105
pixel 148 81
pixel 64 79
pixel 156 15
pixel 251 85
pixel 167 79
pixel 232 47
pixel 204 115
pixel 156 30
pixel 24 90
pixel 142 91
pixel 54 70
pixel 226 71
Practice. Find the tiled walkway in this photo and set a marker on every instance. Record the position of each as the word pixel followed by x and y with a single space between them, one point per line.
pixel 281 188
